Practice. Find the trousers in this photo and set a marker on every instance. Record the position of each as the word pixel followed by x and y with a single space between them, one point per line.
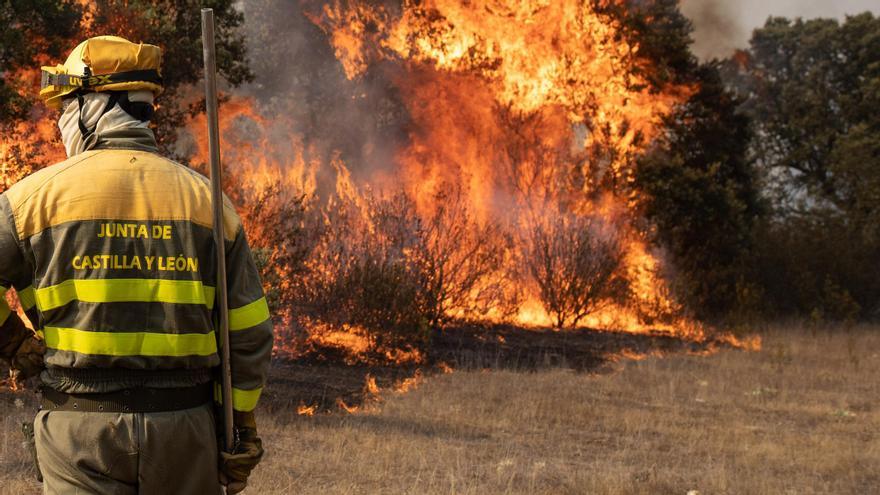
pixel 106 453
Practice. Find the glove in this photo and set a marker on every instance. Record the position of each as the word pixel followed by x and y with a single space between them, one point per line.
pixel 236 466
pixel 28 359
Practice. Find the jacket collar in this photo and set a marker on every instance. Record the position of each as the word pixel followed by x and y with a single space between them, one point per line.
pixel 131 138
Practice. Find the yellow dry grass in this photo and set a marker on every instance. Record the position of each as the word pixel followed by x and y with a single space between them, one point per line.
pixel 802 416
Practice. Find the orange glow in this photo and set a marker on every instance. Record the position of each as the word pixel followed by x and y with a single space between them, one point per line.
pixel 30 145
pixel 370 387
pixel 530 109
pixel 341 404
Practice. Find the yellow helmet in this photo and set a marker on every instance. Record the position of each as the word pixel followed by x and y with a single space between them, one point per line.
pixel 103 63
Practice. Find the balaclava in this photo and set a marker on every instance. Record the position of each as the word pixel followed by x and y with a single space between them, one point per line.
pixel 88 119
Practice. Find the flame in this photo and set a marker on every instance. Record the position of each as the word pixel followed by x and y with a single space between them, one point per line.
pixel 28 146
pixel 633 355
pixel 410 383
pixel 341 404
pixel 304 410
pixel 370 387
pixel 477 79
pixel 370 396
pixel 530 109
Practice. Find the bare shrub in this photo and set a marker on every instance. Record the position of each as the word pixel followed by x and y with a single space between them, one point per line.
pixel 362 273
pixel 282 236
pixel 463 263
pixel 385 268
pixel 576 264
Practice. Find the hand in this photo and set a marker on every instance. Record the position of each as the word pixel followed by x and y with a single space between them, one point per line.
pixel 235 467
pixel 28 359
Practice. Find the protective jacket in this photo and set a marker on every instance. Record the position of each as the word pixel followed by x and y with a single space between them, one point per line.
pixel 112 255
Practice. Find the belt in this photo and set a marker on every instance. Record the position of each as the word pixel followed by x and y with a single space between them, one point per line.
pixel 135 400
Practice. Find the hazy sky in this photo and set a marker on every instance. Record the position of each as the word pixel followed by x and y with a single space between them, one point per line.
pixel 724 25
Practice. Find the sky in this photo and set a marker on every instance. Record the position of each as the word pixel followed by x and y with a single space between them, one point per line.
pixel 721 26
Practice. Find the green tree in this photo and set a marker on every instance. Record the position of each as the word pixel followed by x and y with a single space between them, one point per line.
pixel 662 33
pixel 175 25
pixel 30 30
pixel 812 89
pixel 700 191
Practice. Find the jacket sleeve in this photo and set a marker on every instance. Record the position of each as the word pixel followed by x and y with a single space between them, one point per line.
pixel 250 325
pixel 14 272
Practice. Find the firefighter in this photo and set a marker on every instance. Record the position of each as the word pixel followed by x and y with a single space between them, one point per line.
pixel 112 254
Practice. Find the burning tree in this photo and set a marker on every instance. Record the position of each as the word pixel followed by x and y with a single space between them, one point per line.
pixel 380 266
pixel 464 263
pixel 364 273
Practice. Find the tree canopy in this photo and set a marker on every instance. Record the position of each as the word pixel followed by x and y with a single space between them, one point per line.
pixel 32 31
pixel 812 91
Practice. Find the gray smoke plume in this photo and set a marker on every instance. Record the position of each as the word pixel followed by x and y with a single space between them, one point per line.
pixel 717 28
pixel 721 26
pixel 302 90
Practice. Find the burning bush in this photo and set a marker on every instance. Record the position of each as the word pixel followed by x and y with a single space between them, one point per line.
pixel 381 266
pixel 576 263
pixel 278 222
pixel 463 263
pixel 363 272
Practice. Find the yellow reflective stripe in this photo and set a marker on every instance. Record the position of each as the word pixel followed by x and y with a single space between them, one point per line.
pixel 124 290
pixel 245 400
pixel 27 298
pixel 130 343
pixel 249 316
pixel 41 334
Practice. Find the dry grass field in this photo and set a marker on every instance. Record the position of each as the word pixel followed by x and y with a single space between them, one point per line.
pixel 802 416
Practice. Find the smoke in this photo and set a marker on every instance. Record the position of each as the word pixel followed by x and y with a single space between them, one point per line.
pixel 302 90
pixel 717 28
pixel 721 26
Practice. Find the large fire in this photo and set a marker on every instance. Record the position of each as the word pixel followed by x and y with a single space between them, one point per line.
pixel 523 121
pixel 518 113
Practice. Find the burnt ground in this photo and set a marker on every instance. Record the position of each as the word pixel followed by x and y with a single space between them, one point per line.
pixel 321 382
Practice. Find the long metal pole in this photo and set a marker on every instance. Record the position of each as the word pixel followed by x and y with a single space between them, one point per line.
pixel 219 236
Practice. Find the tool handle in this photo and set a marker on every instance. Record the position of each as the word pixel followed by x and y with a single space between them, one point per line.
pixel 219 236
